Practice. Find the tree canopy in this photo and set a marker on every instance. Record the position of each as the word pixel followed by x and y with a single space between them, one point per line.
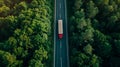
pixel 94 33
pixel 25 33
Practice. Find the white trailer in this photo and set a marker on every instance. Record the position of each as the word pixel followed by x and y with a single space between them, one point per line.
pixel 60 29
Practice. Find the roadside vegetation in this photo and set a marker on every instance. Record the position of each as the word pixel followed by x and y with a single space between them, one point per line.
pixel 25 33
pixel 94 33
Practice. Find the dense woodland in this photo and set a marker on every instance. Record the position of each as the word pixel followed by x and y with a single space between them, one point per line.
pixel 25 33
pixel 94 33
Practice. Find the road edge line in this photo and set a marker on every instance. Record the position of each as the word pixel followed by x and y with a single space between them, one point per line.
pixel 54 31
pixel 66 33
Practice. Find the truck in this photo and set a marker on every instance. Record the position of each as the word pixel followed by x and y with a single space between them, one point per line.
pixel 60 29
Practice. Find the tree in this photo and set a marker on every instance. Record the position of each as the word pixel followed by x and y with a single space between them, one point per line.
pixel 6 59
pixel 25 29
pixel 94 32
pixel 102 46
pixel 91 9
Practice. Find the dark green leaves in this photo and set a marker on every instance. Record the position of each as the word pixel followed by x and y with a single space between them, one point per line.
pixel 25 26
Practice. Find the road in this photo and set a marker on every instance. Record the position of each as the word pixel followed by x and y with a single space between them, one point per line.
pixel 61 58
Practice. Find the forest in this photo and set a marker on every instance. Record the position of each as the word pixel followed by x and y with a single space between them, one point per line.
pixel 25 33
pixel 94 33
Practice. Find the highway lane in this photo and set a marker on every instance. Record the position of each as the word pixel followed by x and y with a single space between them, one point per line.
pixel 61 58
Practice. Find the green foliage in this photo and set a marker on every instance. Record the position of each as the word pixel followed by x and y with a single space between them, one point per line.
pixel 39 55
pixel 117 46
pixel 83 60
pixel 91 9
pixel 25 29
pixel 77 4
pixel 4 10
pixel 21 6
pixel 94 33
pixel 6 59
pixel 82 35
pixel 88 49
pixel 36 63
pixel 103 47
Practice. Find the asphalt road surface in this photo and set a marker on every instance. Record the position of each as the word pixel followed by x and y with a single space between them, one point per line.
pixel 61 58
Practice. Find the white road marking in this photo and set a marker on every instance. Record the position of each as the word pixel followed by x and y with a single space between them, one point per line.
pixel 61 53
pixel 60 10
pixel 60 44
pixel 61 61
pixel 60 15
pixel 60 5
